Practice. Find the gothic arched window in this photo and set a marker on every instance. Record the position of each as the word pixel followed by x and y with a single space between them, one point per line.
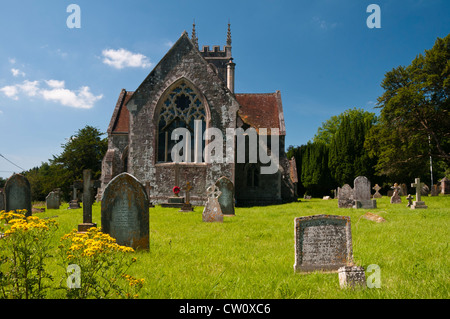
pixel 180 107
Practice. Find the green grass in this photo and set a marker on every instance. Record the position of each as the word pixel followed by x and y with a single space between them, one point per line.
pixel 251 255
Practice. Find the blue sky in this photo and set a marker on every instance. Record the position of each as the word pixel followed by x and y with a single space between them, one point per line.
pixel 320 54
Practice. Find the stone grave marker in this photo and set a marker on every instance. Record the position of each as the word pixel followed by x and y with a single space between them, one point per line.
pixel 125 212
pixel 88 200
pixel 212 211
pixel 2 199
pixel 396 199
pixel 322 243
pixel 434 190
pixel 226 198
pixel 362 193
pixel 52 200
pixel 345 197
pixel 403 190
pixel 352 276
pixel 445 185
pixel 377 194
pixel 409 198
pixel 418 203
pixel 187 206
pixel 18 194
pixel 75 203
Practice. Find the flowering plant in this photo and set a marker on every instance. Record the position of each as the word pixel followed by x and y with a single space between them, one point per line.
pixel 103 264
pixel 25 248
pixel 176 190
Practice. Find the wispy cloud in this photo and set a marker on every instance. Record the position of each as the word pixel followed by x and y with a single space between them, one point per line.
pixel 322 24
pixel 122 58
pixel 17 72
pixel 54 91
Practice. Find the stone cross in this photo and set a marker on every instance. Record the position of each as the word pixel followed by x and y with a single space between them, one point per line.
pixel 74 203
pixel 418 185
pixel 213 191
pixel 187 190
pixel 377 194
pixel 409 198
pixel 88 200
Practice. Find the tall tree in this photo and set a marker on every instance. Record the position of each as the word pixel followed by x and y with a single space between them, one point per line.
pixel 348 158
pixel 315 174
pixel 415 120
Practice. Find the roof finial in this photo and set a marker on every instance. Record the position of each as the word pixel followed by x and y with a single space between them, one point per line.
pixel 194 36
pixel 229 34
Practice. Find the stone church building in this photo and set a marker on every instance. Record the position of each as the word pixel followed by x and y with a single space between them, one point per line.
pixel 190 84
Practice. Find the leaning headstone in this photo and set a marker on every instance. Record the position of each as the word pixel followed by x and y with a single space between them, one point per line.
pixel 226 199
pixel 396 199
pixel 125 212
pixel 418 203
pixel 52 200
pixel 345 197
pixel 361 187
pixel 352 277
pixel 2 199
pixel 377 194
pixel 18 194
pixel 322 243
pixel 212 211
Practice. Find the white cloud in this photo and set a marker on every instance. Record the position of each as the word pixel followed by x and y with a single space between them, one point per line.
pixel 12 60
pixel 123 58
pixel 56 92
pixel 17 72
pixel 10 91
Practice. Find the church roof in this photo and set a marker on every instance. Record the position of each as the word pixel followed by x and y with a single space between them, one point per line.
pixel 258 110
pixel 262 110
pixel 120 121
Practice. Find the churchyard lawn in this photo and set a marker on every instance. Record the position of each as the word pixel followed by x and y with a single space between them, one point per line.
pixel 251 254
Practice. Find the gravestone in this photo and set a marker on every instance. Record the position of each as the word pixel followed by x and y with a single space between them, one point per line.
pixel 361 188
pixel 187 207
pixel 418 203
pixel 396 199
pixel 226 199
pixel 75 203
pixel 434 190
pixel 18 194
pixel 445 185
pixel 125 212
pixel 2 199
pixel 88 200
pixel 409 198
pixel 403 190
pixel 377 194
pixel 322 243
pixel 373 217
pixel 212 211
pixel 352 276
pixel 52 200
pixel 345 197
pixel 425 190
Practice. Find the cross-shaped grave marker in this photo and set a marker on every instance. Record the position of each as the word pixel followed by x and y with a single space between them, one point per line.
pixel 75 203
pixel 88 200
pixel 187 207
pixel 418 203
pixel 377 194
pixel 212 211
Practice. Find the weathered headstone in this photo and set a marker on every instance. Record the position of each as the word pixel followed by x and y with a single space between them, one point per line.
pixel 396 199
pixel 377 194
pixel 125 212
pixel 403 190
pixel 352 277
pixel 52 200
pixel 226 199
pixel 212 211
pixel 18 194
pixel 361 188
pixel 2 199
pixel 345 197
pixel 434 190
pixel 322 242
pixel 418 203
pixel 445 185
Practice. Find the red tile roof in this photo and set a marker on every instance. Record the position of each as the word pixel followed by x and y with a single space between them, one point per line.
pixel 122 119
pixel 262 110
